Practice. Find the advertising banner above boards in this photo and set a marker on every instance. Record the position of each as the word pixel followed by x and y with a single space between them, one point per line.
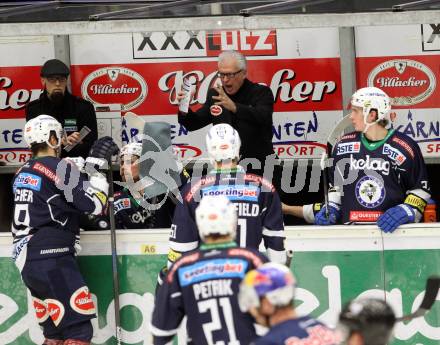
pixel 143 71
pixel 405 63
pixel 328 275
pixel 147 69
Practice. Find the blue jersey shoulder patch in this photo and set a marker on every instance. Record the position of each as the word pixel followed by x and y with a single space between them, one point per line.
pixel 212 269
pixel 26 180
pixel 234 193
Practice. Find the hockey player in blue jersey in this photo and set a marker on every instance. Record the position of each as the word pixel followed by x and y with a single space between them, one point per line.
pixel 129 214
pixel 204 284
pixel 49 194
pixel 377 174
pixel 257 202
pixel 267 293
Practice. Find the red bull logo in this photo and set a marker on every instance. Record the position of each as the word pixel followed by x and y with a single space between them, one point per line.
pixel 261 279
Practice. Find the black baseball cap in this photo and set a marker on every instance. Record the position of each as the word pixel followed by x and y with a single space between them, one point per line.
pixel 54 67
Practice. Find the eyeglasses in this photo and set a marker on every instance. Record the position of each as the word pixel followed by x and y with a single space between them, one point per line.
pixel 58 78
pixel 228 75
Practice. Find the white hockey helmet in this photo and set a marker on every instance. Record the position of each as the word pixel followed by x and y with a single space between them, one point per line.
pixel 38 129
pixel 216 215
pixel 223 142
pixel 131 149
pixel 272 280
pixel 369 98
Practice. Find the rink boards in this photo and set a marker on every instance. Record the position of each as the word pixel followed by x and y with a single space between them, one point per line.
pixel 331 265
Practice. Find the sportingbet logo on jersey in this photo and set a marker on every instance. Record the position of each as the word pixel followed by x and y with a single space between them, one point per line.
pixel 350 147
pixel 376 164
pixel 234 193
pixel 25 180
pixel 394 154
pixel 213 269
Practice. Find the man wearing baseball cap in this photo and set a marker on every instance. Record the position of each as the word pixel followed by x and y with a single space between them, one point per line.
pixel 72 112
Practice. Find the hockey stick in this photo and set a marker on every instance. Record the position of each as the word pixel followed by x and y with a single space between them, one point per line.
pixel 334 136
pixel 289 254
pixel 323 164
pixel 114 252
pixel 431 291
pixel 337 132
pixel 161 168
pixel 134 121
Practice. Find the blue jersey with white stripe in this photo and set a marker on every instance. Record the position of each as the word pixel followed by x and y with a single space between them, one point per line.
pixel 204 285
pixel 49 194
pixel 375 176
pixel 300 331
pixel 258 206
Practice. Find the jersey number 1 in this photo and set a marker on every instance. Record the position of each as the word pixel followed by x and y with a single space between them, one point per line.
pixel 242 230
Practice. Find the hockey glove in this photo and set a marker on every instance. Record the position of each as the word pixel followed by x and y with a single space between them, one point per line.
pixel 97 190
pixel 104 147
pixel 100 154
pixel 396 216
pixel 334 214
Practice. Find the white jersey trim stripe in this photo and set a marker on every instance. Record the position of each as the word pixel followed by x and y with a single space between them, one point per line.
pixel 273 233
pixel 183 247
pixel 309 217
pixel 162 333
pixel 420 193
pixel 176 294
pixel 279 256
pixel 62 223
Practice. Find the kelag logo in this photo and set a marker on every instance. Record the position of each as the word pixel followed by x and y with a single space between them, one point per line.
pixel 115 85
pixel 407 82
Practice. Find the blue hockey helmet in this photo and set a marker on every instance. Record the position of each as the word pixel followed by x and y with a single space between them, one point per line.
pixel 273 281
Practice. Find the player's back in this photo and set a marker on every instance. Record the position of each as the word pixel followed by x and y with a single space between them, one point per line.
pixel 204 284
pixel 300 331
pixel 257 203
pixel 41 208
pixel 382 173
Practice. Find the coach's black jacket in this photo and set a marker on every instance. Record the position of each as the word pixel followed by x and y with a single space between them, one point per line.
pixel 73 113
pixel 253 119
